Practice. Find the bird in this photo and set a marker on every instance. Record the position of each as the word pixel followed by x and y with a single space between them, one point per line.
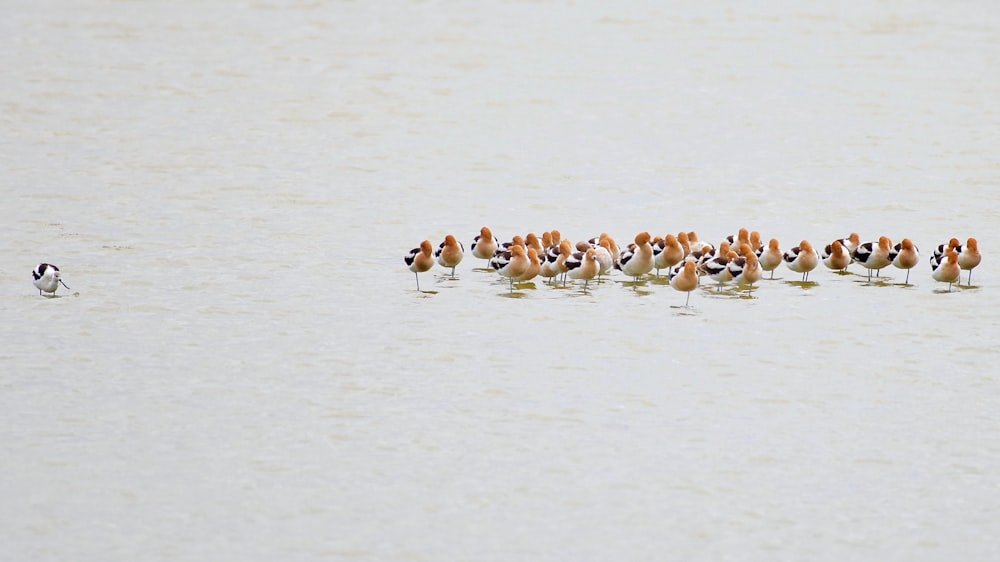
pixel 549 269
pixel 741 237
pixel 802 259
pixel 556 237
pixel 835 256
pixel 484 245
pixel 534 266
pixel 940 250
pixel 696 245
pixel 873 255
pixel 420 260
pixel 709 252
pixel 47 278
pixel 565 252
pixel 605 257
pixel 851 242
pixel 512 263
pixel 517 240
pixel 596 241
pixel 583 265
pixel 938 254
pixel 948 271
pixel 770 257
pixel 638 261
pixel 450 253
pixel 745 269
pixel 667 253
pixel 546 240
pixel 686 280
pixel 531 241
pixel 905 256
pixel 969 256
pixel 716 268
pixel 682 239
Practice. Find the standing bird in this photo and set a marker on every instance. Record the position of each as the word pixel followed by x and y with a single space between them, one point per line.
pixel 450 253
pixel 637 261
pixel 583 265
pixel 802 259
pixel 717 268
pixel 549 269
pixel 873 256
pixel 686 280
pixel 709 253
pixel 905 256
pixel 565 253
pixel 938 256
pixel 770 257
pixel 740 238
pixel 534 266
pixel 485 245
pixel 512 263
pixel 969 256
pixel 531 241
pixel 696 245
pixel 515 241
pixel 605 257
pixel 755 242
pixel 836 256
pixel 682 239
pixel 948 270
pixel 745 269
pixel 667 253
pixel 612 245
pixel 420 260
pixel 851 243
pixel 47 278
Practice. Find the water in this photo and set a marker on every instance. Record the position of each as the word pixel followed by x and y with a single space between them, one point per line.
pixel 244 370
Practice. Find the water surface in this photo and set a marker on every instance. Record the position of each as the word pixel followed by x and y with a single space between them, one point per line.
pixel 244 369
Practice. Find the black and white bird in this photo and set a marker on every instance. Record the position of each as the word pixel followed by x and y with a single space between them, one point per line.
pixel 47 278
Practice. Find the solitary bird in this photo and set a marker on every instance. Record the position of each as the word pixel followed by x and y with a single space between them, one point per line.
pixel 47 278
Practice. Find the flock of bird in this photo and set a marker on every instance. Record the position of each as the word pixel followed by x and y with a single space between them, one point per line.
pixel 740 259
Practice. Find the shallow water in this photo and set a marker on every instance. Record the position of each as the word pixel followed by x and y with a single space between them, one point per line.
pixel 243 368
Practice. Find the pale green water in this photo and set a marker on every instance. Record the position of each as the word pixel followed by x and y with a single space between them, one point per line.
pixel 244 371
